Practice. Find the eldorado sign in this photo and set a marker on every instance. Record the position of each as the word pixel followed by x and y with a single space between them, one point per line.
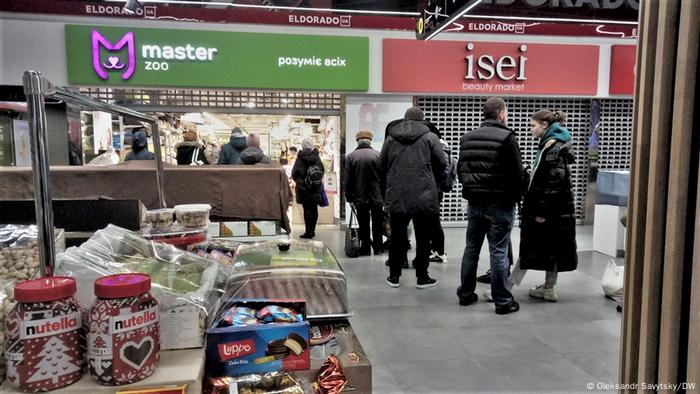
pixel 119 56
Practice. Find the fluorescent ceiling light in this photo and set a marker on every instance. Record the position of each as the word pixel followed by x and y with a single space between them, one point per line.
pixel 270 7
pixel 452 19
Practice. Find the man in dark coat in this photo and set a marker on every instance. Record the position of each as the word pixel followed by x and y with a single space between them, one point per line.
pixel 231 151
pixel 307 174
pixel 493 180
pixel 362 188
pixel 139 147
pixel 410 157
pixel 252 154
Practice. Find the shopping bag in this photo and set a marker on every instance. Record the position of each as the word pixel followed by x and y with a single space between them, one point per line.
pixel 352 236
pixel 324 198
pixel 613 280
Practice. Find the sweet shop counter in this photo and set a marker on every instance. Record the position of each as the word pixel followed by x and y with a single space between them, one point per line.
pixel 179 371
pixel 225 188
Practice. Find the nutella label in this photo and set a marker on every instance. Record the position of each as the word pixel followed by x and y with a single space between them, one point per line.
pixel 133 321
pixel 32 329
pixel 228 351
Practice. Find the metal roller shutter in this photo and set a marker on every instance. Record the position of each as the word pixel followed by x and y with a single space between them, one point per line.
pixel 457 115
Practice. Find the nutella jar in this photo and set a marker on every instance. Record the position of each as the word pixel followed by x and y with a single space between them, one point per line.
pixel 124 338
pixel 44 335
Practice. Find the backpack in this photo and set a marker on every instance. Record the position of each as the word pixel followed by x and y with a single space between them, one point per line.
pixel 449 176
pixel 314 176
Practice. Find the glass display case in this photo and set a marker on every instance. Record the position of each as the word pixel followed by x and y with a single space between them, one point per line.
pixel 291 270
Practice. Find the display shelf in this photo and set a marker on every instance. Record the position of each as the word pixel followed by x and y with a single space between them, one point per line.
pixel 176 368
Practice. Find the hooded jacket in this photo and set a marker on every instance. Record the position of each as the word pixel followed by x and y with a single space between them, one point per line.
pixel 253 155
pixel 305 159
pixel 139 146
pixel 548 225
pixel 490 167
pixel 410 158
pixel 186 150
pixel 231 151
pixel 362 180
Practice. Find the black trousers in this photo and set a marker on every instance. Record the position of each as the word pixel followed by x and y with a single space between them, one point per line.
pixel 310 217
pixel 376 214
pixel 399 250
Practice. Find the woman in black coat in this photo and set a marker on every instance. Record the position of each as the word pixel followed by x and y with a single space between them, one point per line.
pixel 190 151
pixel 307 173
pixel 548 225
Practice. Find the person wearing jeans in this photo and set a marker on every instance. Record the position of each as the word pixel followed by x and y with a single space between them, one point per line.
pixel 493 179
pixel 493 222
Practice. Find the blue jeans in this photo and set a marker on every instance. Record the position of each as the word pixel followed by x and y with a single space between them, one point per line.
pixel 493 222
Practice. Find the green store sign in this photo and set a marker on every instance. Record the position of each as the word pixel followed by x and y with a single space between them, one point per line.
pixel 118 56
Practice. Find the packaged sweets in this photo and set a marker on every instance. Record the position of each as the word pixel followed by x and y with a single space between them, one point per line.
pixel 278 314
pixel 124 338
pixel 160 218
pixel 239 316
pixel 44 335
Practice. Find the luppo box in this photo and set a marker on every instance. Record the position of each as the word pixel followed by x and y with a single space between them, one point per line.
pixel 243 343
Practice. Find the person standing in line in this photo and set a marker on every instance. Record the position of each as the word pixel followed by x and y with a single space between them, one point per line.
pixel 231 151
pixel 252 154
pixel 190 151
pixel 362 189
pixel 212 148
pixel 139 147
pixel 307 174
pixel 493 179
pixel 410 158
pixel 548 226
pixel 445 182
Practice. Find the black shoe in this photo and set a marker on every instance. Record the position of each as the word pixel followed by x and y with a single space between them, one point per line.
pixel 306 236
pixel 404 265
pixel 619 308
pixel 468 300
pixel 506 309
pixel 379 251
pixel 426 282
pixel 485 278
pixel 393 281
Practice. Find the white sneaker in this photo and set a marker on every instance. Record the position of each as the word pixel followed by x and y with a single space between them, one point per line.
pixel 438 258
pixel 487 295
pixel 543 293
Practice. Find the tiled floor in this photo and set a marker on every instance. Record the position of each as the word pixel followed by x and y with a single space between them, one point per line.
pixel 423 341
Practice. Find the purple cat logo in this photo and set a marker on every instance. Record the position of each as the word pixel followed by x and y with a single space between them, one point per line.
pixel 113 62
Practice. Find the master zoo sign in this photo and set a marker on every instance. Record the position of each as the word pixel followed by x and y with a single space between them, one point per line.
pixel 177 58
pixel 112 62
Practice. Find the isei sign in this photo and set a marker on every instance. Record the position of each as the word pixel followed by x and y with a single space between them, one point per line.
pixel 118 56
pixel 489 68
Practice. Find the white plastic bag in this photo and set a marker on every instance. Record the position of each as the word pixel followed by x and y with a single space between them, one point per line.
pixel 110 157
pixel 613 280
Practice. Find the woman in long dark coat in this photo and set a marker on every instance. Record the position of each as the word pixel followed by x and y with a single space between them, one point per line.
pixel 307 173
pixel 548 226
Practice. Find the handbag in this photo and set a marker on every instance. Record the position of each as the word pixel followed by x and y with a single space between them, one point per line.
pixel 324 198
pixel 352 236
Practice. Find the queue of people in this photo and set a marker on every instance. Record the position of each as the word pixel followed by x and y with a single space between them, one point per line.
pixel 414 169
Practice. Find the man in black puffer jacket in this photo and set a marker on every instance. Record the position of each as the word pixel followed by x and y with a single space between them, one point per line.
pixel 410 157
pixel 493 181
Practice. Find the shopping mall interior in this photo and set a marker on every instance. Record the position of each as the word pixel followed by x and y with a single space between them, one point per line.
pixel 187 187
